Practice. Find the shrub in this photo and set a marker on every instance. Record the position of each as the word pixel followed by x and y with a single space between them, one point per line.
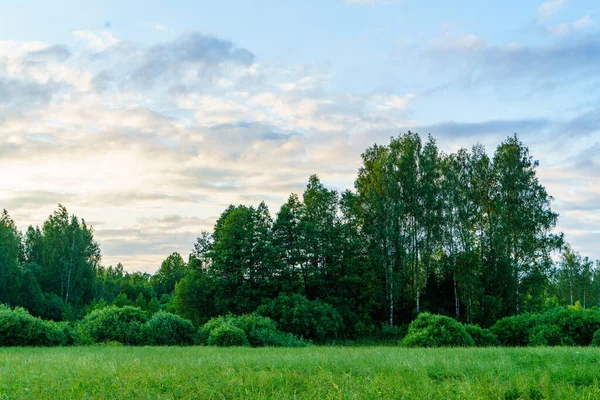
pixel 392 333
pixel 596 338
pixel 516 330
pixel 296 314
pixel 165 329
pixel 482 337
pixel 275 338
pixel 227 335
pixel 19 328
pixel 546 335
pixel 259 330
pixel 113 324
pixel 430 330
pixel 576 324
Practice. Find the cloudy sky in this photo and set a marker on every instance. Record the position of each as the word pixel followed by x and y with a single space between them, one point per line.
pixel 147 118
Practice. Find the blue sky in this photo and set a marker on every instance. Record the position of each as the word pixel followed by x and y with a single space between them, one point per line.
pixel 149 117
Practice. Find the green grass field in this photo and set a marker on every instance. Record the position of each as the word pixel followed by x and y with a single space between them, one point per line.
pixel 306 373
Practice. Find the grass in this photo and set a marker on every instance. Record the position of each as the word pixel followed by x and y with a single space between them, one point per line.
pixel 306 373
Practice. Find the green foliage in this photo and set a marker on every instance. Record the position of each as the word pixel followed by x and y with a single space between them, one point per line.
pixel 516 330
pixel 123 325
pixel 313 320
pixel 194 296
pixel 122 301
pixel 596 339
pixel 577 325
pixel 10 254
pixel 19 328
pixel 560 326
pixel 170 272
pixel 67 254
pixel 227 335
pixel 482 337
pixel 259 331
pixel 546 335
pixel 165 329
pixel 393 334
pixel 430 330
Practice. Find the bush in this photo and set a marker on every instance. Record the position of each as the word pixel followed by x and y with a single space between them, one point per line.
pixel 259 331
pixel 227 335
pixel 576 325
pixel 516 330
pixel 546 335
pixel 482 337
pixel 392 333
pixel 275 338
pixel 165 329
pixel 596 338
pixel 19 328
pixel 314 320
pixel 113 324
pixel 430 330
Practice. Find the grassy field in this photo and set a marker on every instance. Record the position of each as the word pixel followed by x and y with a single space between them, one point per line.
pixel 306 373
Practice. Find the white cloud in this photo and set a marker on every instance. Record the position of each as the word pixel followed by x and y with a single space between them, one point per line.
pixel 582 23
pixel 465 43
pixel 569 28
pixel 95 41
pixel 393 102
pixel 550 8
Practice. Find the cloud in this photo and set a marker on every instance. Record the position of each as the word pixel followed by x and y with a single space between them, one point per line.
pixel 479 129
pixel 569 28
pixel 31 199
pixel 95 41
pixel 19 93
pixel 550 8
pixel 56 53
pixel 484 64
pixel 190 55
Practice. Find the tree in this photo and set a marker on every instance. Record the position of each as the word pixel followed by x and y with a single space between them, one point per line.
pixel 66 255
pixel 243 262
pixel 172 269
pixel 522 237
pixel 11 254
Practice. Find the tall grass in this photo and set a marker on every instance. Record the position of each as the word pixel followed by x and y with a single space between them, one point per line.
pixel 105 372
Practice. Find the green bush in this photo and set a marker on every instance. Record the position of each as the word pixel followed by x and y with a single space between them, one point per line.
pixel 19 328
pixel 596 338
pixel 546 335
pixel 430 330
pixel 274 338
pixel 516 330
pixel 227 335
pixel 113 324
pixel 392 333
pixel 576 325
pixel 259 330
pixel 482 337
pixel 165 329
pixel 314 320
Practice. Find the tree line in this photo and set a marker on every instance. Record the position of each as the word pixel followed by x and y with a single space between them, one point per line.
pixel 464 234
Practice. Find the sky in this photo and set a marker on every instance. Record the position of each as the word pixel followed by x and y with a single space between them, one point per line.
pixel 147 118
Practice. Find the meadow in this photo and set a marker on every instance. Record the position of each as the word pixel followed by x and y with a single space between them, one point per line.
pixel 118 372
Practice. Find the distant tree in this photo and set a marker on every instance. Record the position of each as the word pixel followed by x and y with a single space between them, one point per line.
pixel 172 269
pixel 11 254
pixel 66 257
